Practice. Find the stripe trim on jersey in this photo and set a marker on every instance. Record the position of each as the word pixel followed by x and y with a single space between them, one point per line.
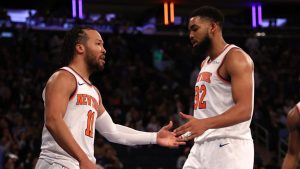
pixel 218 70
pixel 75 91
pixel 211 60
pixel 88 83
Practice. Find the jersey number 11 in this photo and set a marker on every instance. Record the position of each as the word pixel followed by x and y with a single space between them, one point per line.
pixel 90 124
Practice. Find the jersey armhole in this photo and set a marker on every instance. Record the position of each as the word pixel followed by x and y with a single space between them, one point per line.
pixel 228 81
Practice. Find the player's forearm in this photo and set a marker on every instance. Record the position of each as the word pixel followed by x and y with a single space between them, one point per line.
pixel 290 161
pixel 137 137
pixel 64 138
pixel 128 130
pixel 121 134
pixel 235 115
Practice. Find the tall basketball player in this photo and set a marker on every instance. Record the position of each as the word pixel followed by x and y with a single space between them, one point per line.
pixel 224 93
pixel 73 109
pixel 293 123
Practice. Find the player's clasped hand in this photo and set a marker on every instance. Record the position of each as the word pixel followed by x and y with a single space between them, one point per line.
pixel 192 128
pixel 168 139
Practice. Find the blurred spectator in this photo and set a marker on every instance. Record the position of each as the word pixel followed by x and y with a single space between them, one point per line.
pixel 182 158
pixel 252 45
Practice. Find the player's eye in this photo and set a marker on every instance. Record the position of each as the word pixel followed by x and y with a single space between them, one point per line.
pixel 194 29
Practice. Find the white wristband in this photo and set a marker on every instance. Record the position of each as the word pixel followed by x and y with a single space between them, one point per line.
pixel 153 139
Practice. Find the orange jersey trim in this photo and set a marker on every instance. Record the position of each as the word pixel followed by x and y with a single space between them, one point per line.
pixel 88 83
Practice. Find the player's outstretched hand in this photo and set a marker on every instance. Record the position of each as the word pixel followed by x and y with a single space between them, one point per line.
pixel 166 138
pixel 192 128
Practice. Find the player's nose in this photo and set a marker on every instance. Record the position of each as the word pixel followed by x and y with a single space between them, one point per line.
pixel 191 35
pixel 103 50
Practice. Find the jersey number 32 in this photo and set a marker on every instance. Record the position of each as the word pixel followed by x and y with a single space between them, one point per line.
pixel 200 93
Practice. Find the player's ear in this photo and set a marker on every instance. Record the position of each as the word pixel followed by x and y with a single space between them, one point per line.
pixel 79 48
pixel 213 27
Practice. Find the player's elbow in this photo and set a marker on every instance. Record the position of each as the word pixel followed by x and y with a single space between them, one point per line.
pixel 50 126
pixel 246 113
pixel 247 117
pixel 50 123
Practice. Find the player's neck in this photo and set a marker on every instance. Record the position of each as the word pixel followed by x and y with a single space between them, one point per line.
pixel 81 70
pixel 217 47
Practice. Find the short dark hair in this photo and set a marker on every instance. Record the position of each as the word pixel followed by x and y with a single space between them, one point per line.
pixel 210 12
pixel 72 37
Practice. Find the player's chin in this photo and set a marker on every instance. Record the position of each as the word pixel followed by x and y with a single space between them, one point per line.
pixel 101 67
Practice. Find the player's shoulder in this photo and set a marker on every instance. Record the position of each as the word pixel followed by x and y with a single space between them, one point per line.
pixel 236 58
pixel 61 77
pixel 293 118
pixel 238 54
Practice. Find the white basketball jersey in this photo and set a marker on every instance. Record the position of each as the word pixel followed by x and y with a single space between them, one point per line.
pixel 80 118
pixel 213 96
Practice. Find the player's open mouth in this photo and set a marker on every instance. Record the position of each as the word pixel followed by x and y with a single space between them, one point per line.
pixel 102 60
pixel 194 43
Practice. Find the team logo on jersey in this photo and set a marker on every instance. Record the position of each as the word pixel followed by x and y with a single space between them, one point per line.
pixel 215 62
pixel 222 145
pixel 85 99
pixel 204 76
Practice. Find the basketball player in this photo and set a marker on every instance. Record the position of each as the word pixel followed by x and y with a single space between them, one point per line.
pixel 223 102
pixel 293 124
pixel 74 109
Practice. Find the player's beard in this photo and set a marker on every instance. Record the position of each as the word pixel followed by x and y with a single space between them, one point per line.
pixel 201 49
pixel 92 62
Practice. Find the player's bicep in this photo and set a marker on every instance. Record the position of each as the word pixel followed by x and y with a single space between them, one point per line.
pixel 293 121
pixel 58 91
pixel 293 142
pixel 240 70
